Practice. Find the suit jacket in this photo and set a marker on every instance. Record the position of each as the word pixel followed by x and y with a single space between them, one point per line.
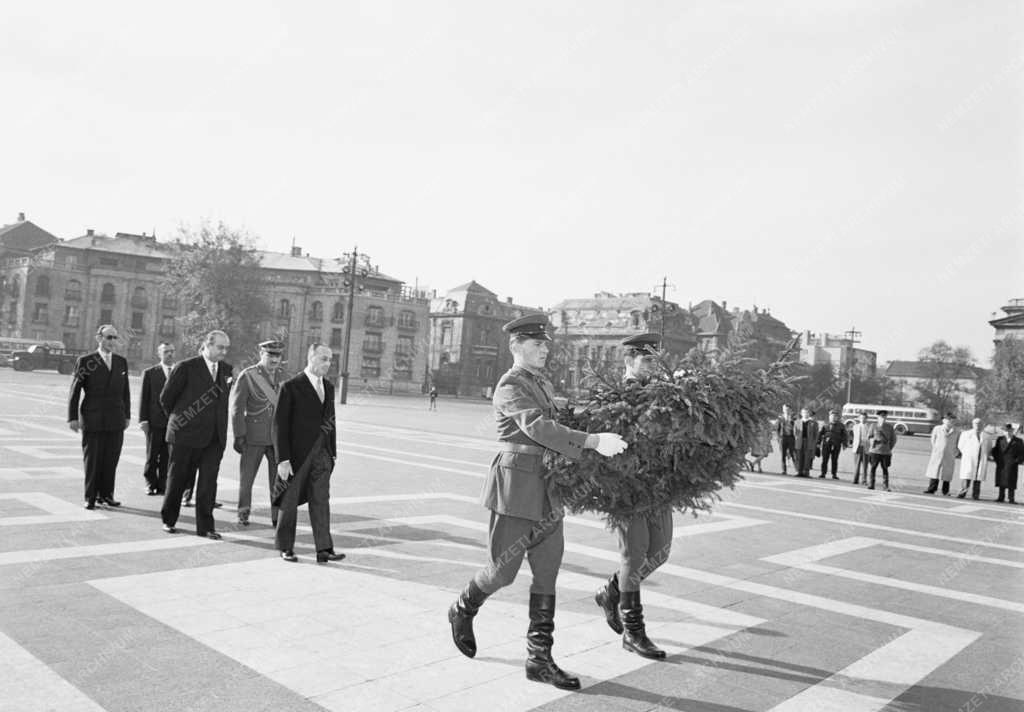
pixel 197 408
pixel 860 436
pixel 835 433
pixel 525 411
pixel 784 426
pixel 882 439
pixel 812 433
pixel 150 410
pixel 107 402
pixel 301 417
pixel 252 412
pixel 1008 456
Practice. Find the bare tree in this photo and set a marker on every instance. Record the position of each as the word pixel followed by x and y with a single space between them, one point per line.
pixel 944 367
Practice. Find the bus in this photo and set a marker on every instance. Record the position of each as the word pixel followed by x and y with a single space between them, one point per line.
pixel 906 420
pixel 10 344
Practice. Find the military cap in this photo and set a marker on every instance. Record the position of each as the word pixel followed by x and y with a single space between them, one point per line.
pixel 272 347
pixel 883 413
pixel 533 326
pixel 646 343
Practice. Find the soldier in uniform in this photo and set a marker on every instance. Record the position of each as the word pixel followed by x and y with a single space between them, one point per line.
pixel 644 542
pixel 252 406
pixel 526 514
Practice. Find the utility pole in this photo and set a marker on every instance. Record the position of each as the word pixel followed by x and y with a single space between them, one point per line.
pixel 664 307
pixel 350 281
pixel 852 337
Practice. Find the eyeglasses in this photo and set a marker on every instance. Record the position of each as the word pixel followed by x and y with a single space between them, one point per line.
pixel 111 338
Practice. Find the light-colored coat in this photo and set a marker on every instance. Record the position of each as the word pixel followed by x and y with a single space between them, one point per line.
pixel 974 453
pixel 860 436
pixel 943 459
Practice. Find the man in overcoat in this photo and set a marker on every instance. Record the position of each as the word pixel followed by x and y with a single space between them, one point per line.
pixel 526 514
pixel 1008 453
pixel 153 420
pixel 805 440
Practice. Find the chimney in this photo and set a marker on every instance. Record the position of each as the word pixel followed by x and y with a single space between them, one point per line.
pixel 508 300
pixel 89 231
pixel 21 217
pixel 296 251
pixel 725 305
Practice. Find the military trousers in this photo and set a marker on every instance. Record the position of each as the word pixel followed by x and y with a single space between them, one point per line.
pixel 644 544
pixel 248 467
pixel 509 539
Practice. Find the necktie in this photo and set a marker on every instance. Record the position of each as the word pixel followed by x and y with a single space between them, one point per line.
pixel 213 372
pixel 320 389
pixel 106 360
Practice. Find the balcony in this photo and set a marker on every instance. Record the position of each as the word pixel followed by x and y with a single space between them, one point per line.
pixel 140 302
pixel 373 347
pixel 75 296
pixel 374 319
pixel 408 324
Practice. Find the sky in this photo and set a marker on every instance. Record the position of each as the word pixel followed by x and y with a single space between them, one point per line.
pixel 846 164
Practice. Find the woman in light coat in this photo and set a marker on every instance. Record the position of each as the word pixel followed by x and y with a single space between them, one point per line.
pixel 975 446
pixel 943 459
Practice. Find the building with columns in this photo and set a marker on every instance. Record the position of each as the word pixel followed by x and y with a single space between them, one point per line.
pixel 1011 325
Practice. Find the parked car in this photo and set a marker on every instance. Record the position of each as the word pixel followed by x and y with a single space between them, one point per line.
pixel 41 357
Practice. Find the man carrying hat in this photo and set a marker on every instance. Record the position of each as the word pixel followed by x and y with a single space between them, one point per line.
pixel 252 405
pixel 644 542
pixel 526 515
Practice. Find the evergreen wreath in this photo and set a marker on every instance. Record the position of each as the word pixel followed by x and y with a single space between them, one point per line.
pixel 688 427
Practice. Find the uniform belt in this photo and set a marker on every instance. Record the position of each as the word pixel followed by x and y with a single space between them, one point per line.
pixel 518 447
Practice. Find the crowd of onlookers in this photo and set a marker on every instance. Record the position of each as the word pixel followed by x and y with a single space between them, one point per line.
pixel 971 454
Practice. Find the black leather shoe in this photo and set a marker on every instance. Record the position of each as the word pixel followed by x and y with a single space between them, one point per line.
pixel 217 505
pixel 322 557
pixel 110 502
pixel 607 597
pixel 289 555
pixel 89 505
pixel 211 535
pixel 186 503
pixel 152 491
pixel 169 529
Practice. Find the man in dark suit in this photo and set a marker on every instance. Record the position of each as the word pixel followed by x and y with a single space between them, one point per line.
pixel 307 447
pixel 805 439
pixel 105 413
pixel 195 398
pixel 153 420
pixel 1008 452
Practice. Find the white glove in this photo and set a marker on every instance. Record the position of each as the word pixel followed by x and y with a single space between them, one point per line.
pixel 609 444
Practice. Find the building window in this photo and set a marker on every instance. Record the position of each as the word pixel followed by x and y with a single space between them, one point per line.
pixel 166 325
pixel 405 346
pixel 16 286
pixel 71 315
pixel 636 319
pixel 407 319
pixel 316 311
pixel 139 298
pixel 107 294
pixel 371 367
pixel 335 338
pixel 137 321
pixel 339 312
pixel 315 335
pixel 284 309
pixel 375 316
pixel 73 291
pixel 135 349
pixel 484 335
pixel 41 313
pixel 108 262
pixel 372 343
pixel 42 286
pixel 106 316
pixel 446 333
pixel 12 313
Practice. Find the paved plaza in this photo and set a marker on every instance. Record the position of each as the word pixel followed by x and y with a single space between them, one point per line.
pixel 794 595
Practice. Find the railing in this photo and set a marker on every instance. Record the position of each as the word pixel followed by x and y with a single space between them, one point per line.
pixel 374 320
pixel 373 347
pixel 408 324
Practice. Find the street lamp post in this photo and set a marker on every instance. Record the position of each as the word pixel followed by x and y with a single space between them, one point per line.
pixel 664 309
pixel 351 273
pixel 851 339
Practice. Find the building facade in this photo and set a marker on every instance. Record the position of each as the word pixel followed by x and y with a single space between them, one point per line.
pixel 467 350
pixel 589 332
pixel 837 351
pixel 1011 325
pixel 64 290
pixel 909 377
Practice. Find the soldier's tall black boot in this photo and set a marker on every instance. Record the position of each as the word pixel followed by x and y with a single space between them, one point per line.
pixel 976 489
pixel 607 597
pixel 460 615
pixel 635 638
pixel 539 639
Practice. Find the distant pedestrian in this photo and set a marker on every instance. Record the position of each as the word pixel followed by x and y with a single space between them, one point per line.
pixel 861 430
pixel 433 398
pixel 195 398
pixel 805 440
pixel 881 441
pixel 943 458
pixel 307 445
pixel 787 441
pixel 1008 454
pixel 832 440
pixel 760 448
pixel 153 420
pixel 975 446
pixel 251 406
pixel 102 376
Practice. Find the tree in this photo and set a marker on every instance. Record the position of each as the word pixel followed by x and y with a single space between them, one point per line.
pixel 877 389
pixel 216 273
pixel 944 366
pixel 816 388
pixel 1001 392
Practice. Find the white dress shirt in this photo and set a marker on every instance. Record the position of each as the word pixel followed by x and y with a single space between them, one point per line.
pixel 316 381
